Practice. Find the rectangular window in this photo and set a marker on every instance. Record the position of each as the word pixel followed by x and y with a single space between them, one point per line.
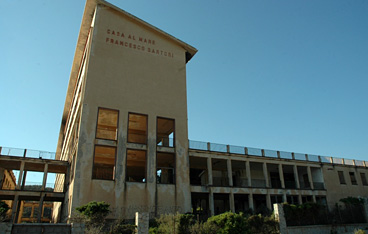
pixel 107 124
pixel 352 178
pixel 104 162
pixel 364 179
pixel 137 128
pixel 341 177
pixel 165 132
pixel 136 166
pixel 165 168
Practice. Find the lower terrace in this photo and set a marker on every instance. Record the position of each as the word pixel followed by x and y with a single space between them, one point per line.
pixel 28 177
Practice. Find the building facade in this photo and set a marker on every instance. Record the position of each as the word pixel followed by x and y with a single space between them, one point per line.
pixel 124 132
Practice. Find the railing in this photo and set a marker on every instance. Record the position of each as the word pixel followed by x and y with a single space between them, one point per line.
pixel 258 183
pixel 240 182
pixel 304 185
pixel 220 181
pixel 232 149
pixel 28 153
pixel 290 185
pixel 319 185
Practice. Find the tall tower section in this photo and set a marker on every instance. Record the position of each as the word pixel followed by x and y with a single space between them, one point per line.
pixel 124 127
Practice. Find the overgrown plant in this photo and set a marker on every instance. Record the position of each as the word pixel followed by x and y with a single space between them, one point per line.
pixel 226 223
pixel 3 210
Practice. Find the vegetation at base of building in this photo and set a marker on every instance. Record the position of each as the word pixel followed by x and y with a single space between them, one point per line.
pixel 359 231
pixel 350 210
pixel 226 223
pixel 94 214
pixel 3 210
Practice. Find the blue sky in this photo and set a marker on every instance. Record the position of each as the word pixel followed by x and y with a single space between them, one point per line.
pixel 287 75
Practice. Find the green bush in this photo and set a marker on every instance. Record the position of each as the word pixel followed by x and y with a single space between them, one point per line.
pixel 170 223
pixel 226 223
pixel 93 214
pixel 94 209
pixel 262 224
pixel 3 210
pixel 359 231
pixel 229 223
pixel 121 227
pixel 204 228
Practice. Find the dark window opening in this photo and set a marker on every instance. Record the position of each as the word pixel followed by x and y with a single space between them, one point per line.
pixel 104 162
pixel 198 171
pixel 165 132
pixel 341 177
pixel 136 166
pixel 221 203
pixel 364 179
pixel 352 178
pixel 137 128
pixel 165 168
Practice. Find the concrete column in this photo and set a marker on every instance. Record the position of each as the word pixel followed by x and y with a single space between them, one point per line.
pixel 268 201
pixel 310 177
pixel 284 198
pixel 296 177
pixel 209 169
pixel 45 169
pixel 300 200
pixel 40 206
pixel 142 223
pixel 14 209
pixel 365 205
pixel 2 171
pixel 232 201
pixel 67 179
pixel 323 179
pixel 250 201
pixel 265 174
pixel 280 217
pixel 229 172
pixel 211 203
pixel 21 170
pixel 247 171
pixel 314 198
pixel 281 173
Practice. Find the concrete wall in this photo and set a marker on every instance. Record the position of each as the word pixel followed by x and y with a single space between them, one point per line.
pixel 326 229
pixel 335 190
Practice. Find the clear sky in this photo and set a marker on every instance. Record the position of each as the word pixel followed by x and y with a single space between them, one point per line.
pixel 287 75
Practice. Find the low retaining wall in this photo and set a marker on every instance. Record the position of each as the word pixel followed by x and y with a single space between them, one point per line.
pixel 326 229
pixel 60 228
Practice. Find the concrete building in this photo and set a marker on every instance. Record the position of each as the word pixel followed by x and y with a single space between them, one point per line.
pixel 124 133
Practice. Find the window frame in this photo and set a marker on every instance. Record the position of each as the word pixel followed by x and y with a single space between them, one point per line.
pixel 134 113
pixel 117 124
pixel 126 166
pixel 93 162
pixel 364 181
pixel 173 168
pixel 342 178
pixel 174 131
pixel 352 176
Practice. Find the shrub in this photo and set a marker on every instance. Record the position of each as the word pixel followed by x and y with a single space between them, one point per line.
pixel 93 214
pixel 121 227
pixel 3 210
pixel 229 223
pixel 94 209
pixel 170 223
pixel 359 231
pixel 204 228
pixel 262 224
